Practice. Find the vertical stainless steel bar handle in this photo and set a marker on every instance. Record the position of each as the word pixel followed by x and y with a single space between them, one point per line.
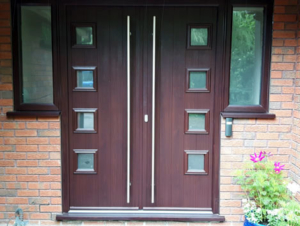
pixel 153 111
pixel 128 109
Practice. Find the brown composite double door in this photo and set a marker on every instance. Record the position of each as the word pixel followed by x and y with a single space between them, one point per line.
pixel 180 176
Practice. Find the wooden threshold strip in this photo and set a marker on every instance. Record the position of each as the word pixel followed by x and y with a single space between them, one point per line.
pixel 139 217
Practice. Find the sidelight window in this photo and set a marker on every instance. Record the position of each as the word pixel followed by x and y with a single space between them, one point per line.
pixel 246 56
pixel 249 53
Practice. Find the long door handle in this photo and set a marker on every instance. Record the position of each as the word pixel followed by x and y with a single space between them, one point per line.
pixel 153 110
pixel 128 109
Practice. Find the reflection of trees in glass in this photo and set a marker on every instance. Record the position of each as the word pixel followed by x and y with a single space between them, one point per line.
pixel 242 58
pixel 199 36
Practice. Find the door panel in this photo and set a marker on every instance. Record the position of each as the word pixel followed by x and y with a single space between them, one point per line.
pixel 174 188
pixel 106 188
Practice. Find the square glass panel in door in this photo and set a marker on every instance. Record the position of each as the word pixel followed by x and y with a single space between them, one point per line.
pixel 85 162
pixel 84 35
pixel 85 79
pixel 195 163
pixel 199 36
pixel 85 121
pixel 196 122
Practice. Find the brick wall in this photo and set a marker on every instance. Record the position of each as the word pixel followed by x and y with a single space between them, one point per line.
pixel 30 174
pixel 30 147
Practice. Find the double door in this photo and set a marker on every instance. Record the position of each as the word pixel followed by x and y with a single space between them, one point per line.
pixel 141 108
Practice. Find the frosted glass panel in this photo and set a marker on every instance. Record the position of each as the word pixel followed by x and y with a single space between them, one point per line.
pixel 86 121
pixel 195 163
pixel 84 36
pixel 36 36
pixel 197 80
pixel 85 79
pixel 85 161
pixel 246 56
pixel 196 122
pixel 199 36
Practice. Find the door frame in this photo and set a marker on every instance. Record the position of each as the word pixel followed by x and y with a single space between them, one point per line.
pixel 218 107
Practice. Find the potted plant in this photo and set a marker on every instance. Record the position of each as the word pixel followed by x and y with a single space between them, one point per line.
pixel 269 195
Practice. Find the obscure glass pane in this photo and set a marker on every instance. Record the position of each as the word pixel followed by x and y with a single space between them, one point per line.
pixel 85 121
pixel 199 36
pixel 85 161
pixel 197 80
pixel 84 36
pixel 195 162
pixel 85 79
pixel 37 75
pixel 196 122
pixel 246 56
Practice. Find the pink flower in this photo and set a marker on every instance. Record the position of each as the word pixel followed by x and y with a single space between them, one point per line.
pixel 255 158
pixel 278 167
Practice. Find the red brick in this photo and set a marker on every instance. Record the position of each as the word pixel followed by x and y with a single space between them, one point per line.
pixel 51 209
pixel 28 178
pixel 4 7
pixel 6 133
pixel 55 171
pixel 6 163
pixel 6 102
pixel 277 42
pixel 285 2
pixel 284 34
pixel 54 140
pixel 4 23
pixel 39 185
pixel 49 133
pixel 27 163
pixel 8 178
pixel 15 156
pixel 54 125
pixel 37 125
pixel 5 47
pixel 15 171
pixel 289 58
pixel 55 201
pixel 279 9
pixel 50 178
pixel 14 125
pixel 283 66
pixel 282 97
pixel 276 74
pixel 49 148
pixel 278 26
pixel 37 156
pixel 40 216
pixel 55 186
pixel 26 148
pixel 285 18
pixel 5 86
pixel 50 163
pixel 50 193
pixel 37 140
pixel 37 171
pixel 26 133
pixel 292 26
pixel 17 200
pixel 28 193
pixel 5 39
pixel 14 140
pixel 18 185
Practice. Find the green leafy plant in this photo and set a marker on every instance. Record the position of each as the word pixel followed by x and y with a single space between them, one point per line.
pixel 268 193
